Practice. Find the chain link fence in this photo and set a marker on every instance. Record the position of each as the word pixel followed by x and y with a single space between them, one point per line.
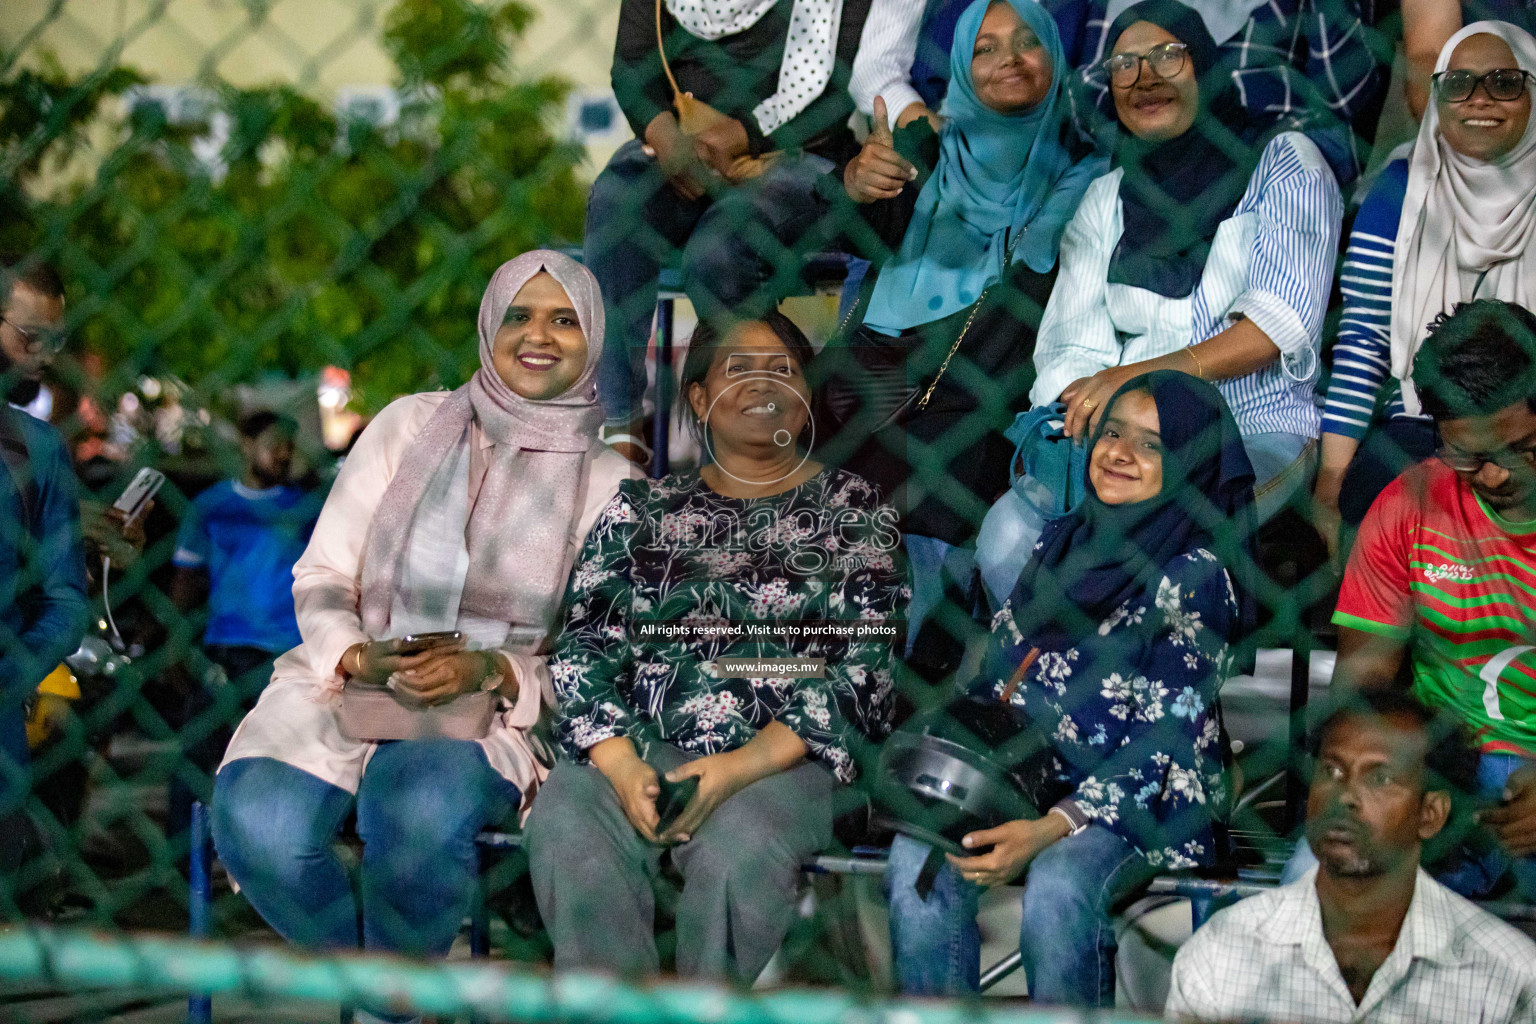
pixel 240 229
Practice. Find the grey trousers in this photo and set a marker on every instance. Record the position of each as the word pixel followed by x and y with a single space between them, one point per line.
pixel 593 874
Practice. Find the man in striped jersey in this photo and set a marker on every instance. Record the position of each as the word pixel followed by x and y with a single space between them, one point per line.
pixel 1441 585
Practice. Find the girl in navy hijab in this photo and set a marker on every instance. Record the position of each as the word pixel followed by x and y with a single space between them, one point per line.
pixel 1113 646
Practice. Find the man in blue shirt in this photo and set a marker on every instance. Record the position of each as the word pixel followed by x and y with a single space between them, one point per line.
pixel 43 603
pixel 236 549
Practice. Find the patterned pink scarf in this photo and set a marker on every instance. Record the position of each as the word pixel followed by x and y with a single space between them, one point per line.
pixel 529 501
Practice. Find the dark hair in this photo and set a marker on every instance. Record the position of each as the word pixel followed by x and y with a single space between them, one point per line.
pixel 253 425
pixel 704 346
pixel 1477 359
pixel 1451 760
pixel 42 277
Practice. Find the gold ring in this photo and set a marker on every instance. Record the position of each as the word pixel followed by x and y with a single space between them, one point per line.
pixel 1088 404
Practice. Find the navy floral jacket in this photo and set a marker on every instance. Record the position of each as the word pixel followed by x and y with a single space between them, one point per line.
pixel 1130 711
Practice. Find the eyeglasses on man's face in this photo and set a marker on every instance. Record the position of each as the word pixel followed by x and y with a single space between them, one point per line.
pixel 38 339
pixel 1166 60
pixel 1503 84
pixel 1508 459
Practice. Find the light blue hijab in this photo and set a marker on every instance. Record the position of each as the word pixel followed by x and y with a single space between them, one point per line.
pixel 997 174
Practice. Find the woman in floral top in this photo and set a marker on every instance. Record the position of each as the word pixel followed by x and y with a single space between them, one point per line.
pixel 763 554
pixel 1113 645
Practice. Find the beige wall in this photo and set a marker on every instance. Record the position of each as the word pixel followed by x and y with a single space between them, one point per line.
pixel 319 46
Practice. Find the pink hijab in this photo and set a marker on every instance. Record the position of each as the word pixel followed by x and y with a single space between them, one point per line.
pixel 518 528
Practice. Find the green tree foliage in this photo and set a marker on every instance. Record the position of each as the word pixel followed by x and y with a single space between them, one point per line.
pixel 305 242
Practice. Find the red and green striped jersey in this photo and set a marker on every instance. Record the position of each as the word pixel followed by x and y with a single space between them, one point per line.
pixel 1433 562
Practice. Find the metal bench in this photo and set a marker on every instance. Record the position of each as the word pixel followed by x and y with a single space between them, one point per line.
pixel 863 861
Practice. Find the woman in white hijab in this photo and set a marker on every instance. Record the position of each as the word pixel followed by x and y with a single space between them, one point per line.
pixel 456 511
pixel 1453 221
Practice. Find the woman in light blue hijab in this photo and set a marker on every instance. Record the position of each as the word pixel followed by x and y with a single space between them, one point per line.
pixel 999 177
pixel 977 209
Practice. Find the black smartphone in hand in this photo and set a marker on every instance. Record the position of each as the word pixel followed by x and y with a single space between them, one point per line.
pixel 672 800
pixel 416 643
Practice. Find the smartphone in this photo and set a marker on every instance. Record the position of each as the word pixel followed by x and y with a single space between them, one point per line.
pixel 138 493
pixel 673 798
pixel 415 643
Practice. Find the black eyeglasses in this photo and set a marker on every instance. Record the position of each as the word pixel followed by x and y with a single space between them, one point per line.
pixel 1167 60
pixel 1502 84
pixel 48 339
pixel 1471 462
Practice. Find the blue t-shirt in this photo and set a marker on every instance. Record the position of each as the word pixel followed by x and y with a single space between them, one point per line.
pixel 248 540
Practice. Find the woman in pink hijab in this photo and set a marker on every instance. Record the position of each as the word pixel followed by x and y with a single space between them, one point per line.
pixel 456 511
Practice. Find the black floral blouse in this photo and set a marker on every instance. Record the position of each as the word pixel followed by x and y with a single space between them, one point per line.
pixel 673 551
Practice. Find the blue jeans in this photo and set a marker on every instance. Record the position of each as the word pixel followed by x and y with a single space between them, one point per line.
pixel 1471 873
pixel 419 806
pixel 739 252
pixel 936 567
pixel 1283 464
pixel 1067 937
pixel 1007 538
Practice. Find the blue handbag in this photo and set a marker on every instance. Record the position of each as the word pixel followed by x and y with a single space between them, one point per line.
pixel 1049 474
pixel 1042 451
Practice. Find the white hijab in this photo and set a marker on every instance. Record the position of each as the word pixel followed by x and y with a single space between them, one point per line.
pixel 810 47
pixel 1467 225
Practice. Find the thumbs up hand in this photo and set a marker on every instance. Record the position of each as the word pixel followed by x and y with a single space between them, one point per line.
pixel 878 172
pixel 880 124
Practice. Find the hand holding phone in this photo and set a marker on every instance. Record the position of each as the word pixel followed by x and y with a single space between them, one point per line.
pixel 420 643
pixel 138 494
pixel 373 663
pixel 673 800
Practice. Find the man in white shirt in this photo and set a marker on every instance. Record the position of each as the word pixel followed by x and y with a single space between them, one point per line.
pixel 1366 935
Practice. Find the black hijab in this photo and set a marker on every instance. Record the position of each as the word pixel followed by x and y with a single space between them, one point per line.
pixel 1176 193
pixel 1093 560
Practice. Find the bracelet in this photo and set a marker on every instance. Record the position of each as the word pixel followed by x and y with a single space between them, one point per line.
pixel 357 658
pixel 494 676
pixel 1199 370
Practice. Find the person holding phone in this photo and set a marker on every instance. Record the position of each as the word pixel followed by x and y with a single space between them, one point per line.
pixel 676 578
pixel 457 512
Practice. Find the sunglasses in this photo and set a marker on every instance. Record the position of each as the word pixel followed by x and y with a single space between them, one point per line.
pixel 1166 60
pixel 47 339
pixel 1501 84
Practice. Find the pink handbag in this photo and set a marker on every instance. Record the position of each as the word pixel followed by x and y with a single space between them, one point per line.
pixel 372 712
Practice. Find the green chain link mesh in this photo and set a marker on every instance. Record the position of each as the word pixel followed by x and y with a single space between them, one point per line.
pixel 225 240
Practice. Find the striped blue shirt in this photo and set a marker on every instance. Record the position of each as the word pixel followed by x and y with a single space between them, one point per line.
pixel 1271 261
pixel 1362 356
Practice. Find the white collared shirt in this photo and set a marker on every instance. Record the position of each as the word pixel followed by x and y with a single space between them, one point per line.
pixel 882 66
pixel 1266 959
pixel 1271 261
